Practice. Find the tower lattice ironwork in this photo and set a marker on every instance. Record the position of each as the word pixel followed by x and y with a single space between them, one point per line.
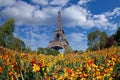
pixel 58 42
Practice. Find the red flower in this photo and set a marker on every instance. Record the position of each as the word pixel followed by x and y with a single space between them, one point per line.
pixel 90 62
pixel 39 63
pixel 68 71
pixel 1 69
pixel 32 62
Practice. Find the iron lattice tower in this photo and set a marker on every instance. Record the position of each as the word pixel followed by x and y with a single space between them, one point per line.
pixel 58 42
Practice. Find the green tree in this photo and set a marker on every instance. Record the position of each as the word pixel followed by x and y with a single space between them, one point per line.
pixel 19 44
pixel 51 52
pixel 68 50
pixel 80 51
pixel 7 38
pixel 12 42
pixel 117 37
pixel 8 27
pixel 96 40
pixel 1 37
pixel 110 41
pixel 6 31
pixel 93 40
pixel 103 38
pixel 47 51
pixel 40 50
pixel 27 50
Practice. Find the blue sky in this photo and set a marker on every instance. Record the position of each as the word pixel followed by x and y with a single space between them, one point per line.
pixel 35 20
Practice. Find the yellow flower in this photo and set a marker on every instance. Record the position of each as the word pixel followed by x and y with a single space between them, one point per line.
pixel 73 74
pixel 35 68
pixel 83 79
pixel 99 77
pixel 43 69
pixel 88 67
pixel 66 74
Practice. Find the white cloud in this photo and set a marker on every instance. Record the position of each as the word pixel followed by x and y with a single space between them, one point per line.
pixel 47 16
pixel 72 16
pixel 26 14
pixel 4 3
pixel 36 40
pixel 113 14
pixel 79 16
pixel 40 15
pixel 21 11
pixel 102 22
pixel 75 15
pixel 41 2
pixel 76 37
pixel 34 37
pixel 59 2
pixel 83 2
pixel 77 40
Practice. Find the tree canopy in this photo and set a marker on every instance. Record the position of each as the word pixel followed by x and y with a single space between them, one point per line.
pixel 7 38
pixel 117 37
pixel 100 40
pixel 97 40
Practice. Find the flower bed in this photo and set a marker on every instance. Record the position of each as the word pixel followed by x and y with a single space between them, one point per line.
pixel 97 65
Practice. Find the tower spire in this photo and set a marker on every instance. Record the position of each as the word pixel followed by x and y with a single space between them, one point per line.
pixel 59 23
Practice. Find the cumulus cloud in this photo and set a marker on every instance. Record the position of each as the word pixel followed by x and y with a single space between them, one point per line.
pixel 75 15
pixel 59 2
pixel 83 2
pixel 41 2
pixel 21 11
pixel 4 3
pixel 76 37
pixel 72 16
pixel 78 40
pixel 79 16
pixel 36 40
pixel 114 13
pixel 46 16
pixel 30 15
pixel 34 37
pixel 102 22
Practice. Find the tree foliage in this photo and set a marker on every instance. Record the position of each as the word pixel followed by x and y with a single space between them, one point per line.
pixel 7 38
pixel 103 38
pixel 117 37
pixel 8 27
pixel 47 51
pixel 109 41
pixel 97 40
pixel 68 50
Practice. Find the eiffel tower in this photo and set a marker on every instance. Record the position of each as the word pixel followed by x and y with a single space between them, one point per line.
pixel 58 42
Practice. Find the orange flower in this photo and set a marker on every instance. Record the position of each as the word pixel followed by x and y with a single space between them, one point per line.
pixel 90 62
pixel 12 78
pixel 81 75
pixel 0 69
pixel 10 73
